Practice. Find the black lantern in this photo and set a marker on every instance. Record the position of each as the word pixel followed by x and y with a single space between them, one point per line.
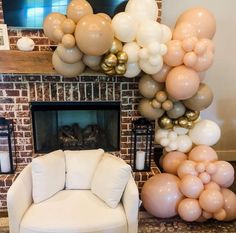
pixel 141 148
pixel 7 147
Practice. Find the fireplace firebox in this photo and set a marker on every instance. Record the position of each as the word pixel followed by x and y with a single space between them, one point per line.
pixel 75 125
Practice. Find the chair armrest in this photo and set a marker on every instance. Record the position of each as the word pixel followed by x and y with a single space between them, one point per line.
pixel 19 198
pixel 130 200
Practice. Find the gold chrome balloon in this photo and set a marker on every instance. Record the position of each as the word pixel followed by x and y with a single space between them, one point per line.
pixel 110 72
pixel 165 122
pixel 122 57
pixel 176 122
pixel 183 122
pixel 116 46
pixel 105 68
pixel 190 125
pixel 120 69
pixel 110 60
pixel 192 115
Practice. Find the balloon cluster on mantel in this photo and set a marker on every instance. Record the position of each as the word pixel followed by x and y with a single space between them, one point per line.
pixel 131 42
pixel 195 183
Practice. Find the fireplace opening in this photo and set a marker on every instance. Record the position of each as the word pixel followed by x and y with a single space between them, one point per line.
pixel 75 125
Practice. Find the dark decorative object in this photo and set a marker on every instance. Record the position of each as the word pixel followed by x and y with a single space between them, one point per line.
pixel 7 147
pixel 141 144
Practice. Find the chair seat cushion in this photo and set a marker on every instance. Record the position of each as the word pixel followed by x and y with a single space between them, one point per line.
pixel 74 211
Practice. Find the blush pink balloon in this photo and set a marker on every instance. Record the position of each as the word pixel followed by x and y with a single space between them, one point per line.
pixel 211 200
pixel 187 168
pixel 175 53
pixel 220 215
pixel 184 30
pixel 161 195
pixel 200 47
pixel 189 209
pixel 212 185
pixel 203 153
pixel 200 167
pixel 206 214
pixel 191 186
pixel 211 168
pixel 182 82
pixel 229 204
pixel 204 62
pixel 202 19
pixel 172 160
pixel 188 44
pixel 162 74
pixel 190 59
pixel 224 175
pixel 205 177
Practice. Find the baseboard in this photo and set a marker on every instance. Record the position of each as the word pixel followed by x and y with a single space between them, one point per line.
pixel 229 155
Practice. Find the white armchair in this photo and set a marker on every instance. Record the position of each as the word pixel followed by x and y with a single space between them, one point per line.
pixel 69 208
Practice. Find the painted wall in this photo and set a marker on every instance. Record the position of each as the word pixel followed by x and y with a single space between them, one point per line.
pixel 221 77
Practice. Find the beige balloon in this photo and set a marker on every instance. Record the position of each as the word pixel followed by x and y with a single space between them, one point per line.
pixel 105 16
pixel 66 69
pixel 201 100
pixel 162 74
pixel 77 9
pixel 52 22
pixel 57 34
pixel 68 26
pixel 146 110
pixel 71 55
pixel 68 41
pixel 149 87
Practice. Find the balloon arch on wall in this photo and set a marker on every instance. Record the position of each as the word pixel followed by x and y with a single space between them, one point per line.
pixel 195 183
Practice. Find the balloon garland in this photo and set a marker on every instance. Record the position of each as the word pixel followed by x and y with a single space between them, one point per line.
pixel 195 183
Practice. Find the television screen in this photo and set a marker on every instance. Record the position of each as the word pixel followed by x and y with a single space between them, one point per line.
pixel 31 13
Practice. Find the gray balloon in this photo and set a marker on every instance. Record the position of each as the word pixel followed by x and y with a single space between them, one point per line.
pixel 177 111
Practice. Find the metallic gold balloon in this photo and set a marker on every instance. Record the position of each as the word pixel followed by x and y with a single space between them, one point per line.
pixel 165 122
pixel 110 60
pixel 116 46
pixel 183 122
pixel 192 115
pixel 190 125
pixel 120 69
pixel 155 104
pixel 122 57
pixel 110 72
pixel 105 68
pixel 176 122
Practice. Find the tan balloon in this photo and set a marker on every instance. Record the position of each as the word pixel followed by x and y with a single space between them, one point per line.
pixel 162 74
pixel 105 16
pixel 149 87
pixel 167 105
pixel 202 19
pixel 201 100
pixel 66 69
pixel 71 55
pixel 94 35
pixel 146 110
pixel 77 9
pixel 229 204
pixel 161 96
pixel 57 34
pixel 51 22
pixel 177 111
pixel 68 41
pixel 156 104
pixel 68 26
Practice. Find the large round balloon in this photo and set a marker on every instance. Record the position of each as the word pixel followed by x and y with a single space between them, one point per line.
pixel 149 87
pixel 205 132
pixel 94 35
pixel 125 27
pixel 142 10
pixel 203 153
pixel 66 69
pixel 201 19
pixel 187 167
pixel 146 110
pixel 51 23
pixel 229 204
pixel 77 9
pixel 71 55
pixel 161 195
pixel 201 100
pixel 184 30
pixel 182 82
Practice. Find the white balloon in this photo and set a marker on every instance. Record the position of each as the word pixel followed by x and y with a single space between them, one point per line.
pixel 132 50
pixel 172 135
pixel 161 133
pixel 173 145
pixel 132 70
pixel 149 68
pixel 92 61
pixel 184 143
pixel 143 54
pixel 163 49
pixel 154 48
pixel 148 31
pixel 205 132
pixel 25 44
pixel 166 34
pixel 164 142
pixel 125 27
pixel 155 60
pixel 180 130
pixel 142 9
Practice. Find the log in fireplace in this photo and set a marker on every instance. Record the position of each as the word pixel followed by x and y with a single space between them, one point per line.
pixel 75 125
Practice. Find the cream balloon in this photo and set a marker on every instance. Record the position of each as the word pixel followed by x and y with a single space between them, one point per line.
pixel 132 70
pixel 132 50
pixel 66 69
pixel 187 167
pixel 150 69
pixel 71 55
pixel 125 27
pixel 142 10
pixel 166 34
pixel 184 143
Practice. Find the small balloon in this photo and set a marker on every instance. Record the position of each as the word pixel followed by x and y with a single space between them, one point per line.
pixel 68 26
pixel 122 57
pixel 120 69
pixel 177 111
pixel 156 104
pixel 192 115
pixel 111 60
pixel 68 41
pixel 167 105
pixel 116 46
pixel 161 96
pixel 165 122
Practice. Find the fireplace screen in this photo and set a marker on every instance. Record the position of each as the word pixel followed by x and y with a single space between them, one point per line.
pixel 75 125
